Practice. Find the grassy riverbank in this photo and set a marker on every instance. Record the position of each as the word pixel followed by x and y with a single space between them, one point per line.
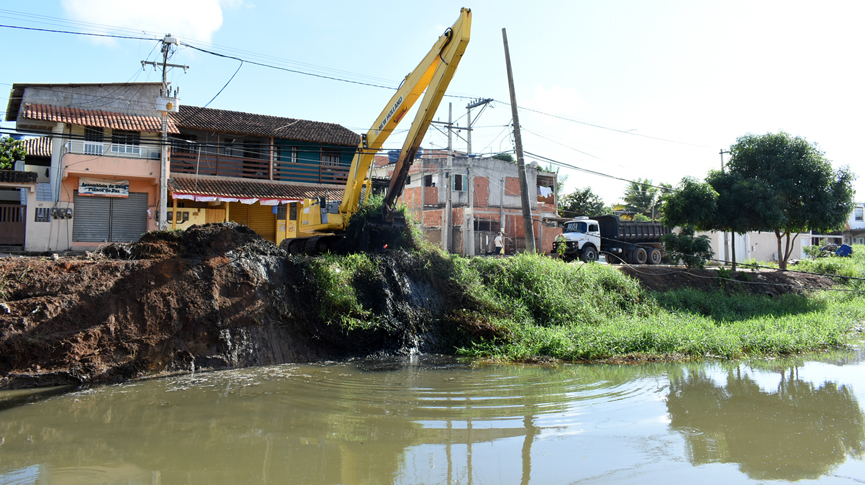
pixel 591 312
pixel 534 307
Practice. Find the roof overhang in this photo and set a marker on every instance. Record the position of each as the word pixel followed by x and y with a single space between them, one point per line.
pixel 266 192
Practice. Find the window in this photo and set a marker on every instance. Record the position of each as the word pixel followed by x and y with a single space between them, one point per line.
pixel 458 182
pixel 183 144
pixel 330 158
pixel 428 181
pixel 859 214
pixel 252 149
pixel 293 155
pixel 126 142
pixel 93 138
pixel 229 149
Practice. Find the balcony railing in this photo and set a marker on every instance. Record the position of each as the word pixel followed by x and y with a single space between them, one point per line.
pixel 108 149
pixel 255 168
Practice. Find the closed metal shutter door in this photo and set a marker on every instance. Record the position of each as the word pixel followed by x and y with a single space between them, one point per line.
pixel 128 217
pixel 92 220
pixel 239 213
pixel 262 220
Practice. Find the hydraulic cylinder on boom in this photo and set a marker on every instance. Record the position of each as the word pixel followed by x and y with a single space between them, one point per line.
pixel 321 223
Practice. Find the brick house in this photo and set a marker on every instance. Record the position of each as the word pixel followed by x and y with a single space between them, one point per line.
pixel 485 199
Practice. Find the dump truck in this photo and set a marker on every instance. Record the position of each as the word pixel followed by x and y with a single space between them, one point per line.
pixel 585 238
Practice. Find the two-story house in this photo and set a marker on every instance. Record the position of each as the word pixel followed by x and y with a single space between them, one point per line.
pixel 253 169
pixel 101 184
pixel 854 232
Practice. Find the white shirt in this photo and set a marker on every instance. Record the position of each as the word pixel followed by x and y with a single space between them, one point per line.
pixel 498 241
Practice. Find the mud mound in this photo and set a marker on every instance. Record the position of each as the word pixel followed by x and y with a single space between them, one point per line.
pixel 761 282
pixel 373 230
pixel 197 242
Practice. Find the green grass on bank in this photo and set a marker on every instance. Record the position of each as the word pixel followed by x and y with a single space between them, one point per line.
pixel 587 312
pixel 534 306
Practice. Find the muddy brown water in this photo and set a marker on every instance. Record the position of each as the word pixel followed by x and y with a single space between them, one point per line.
pixel 429 419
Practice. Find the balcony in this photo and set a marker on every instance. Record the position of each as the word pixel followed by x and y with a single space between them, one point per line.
pixel 108 149
pixel 256 168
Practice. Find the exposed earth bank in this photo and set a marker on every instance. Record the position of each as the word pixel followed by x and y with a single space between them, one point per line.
pixel 218 296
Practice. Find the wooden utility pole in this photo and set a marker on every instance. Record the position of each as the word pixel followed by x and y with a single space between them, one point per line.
pixel 528 226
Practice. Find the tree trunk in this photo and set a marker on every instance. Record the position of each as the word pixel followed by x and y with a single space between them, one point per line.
pixel 733 248
pixel 781 262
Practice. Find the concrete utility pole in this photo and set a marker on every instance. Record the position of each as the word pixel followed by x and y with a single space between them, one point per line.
pixel 166 102
pixel 728 240
pixel 448 205
pixel 473 104
pixel 521 164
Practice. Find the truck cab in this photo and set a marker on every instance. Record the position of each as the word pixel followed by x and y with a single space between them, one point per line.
pixel 581 239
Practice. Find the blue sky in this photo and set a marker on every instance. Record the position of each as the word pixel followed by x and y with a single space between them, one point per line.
pixel 632 89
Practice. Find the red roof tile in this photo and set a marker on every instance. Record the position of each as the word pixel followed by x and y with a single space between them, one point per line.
pixel 104 119
pixel 193 117
pixel 213 186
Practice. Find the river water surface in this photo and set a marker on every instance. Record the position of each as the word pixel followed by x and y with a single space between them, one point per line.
pixel 436 420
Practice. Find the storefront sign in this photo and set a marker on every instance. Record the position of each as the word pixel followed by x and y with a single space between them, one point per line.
pixel 103 188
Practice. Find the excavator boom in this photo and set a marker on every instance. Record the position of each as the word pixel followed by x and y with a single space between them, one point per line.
pixel 427 82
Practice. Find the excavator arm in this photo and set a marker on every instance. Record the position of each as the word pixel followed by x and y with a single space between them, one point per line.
pixel 432 76
pixel 429 79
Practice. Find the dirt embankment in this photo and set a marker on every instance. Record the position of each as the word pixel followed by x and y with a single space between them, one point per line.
pixel 757 282
pixel 218 296
pixel 215 296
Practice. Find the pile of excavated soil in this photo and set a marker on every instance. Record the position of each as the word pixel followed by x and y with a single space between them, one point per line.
pixel 211 297
pixel 757 282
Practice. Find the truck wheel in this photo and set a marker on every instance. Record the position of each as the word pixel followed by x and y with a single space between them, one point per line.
pixel 590 254
pixel 639 256
pixel 655 256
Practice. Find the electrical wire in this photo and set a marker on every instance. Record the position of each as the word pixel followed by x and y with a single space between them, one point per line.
pixel 114 36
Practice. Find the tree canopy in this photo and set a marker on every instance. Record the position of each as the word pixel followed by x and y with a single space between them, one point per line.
pixel 798 188
pixel 11 151
pixel 773 182
pixel 505 156
pixel 643 197
pixel 582 202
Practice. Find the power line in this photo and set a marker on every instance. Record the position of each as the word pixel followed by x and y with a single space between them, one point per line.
pixel 76 33
pixel 593 172
pixel 295 71
pixel 626 132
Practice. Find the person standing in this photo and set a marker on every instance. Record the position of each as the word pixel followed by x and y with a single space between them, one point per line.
pixel 500 245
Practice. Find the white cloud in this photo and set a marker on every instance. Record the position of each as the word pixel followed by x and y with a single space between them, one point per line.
pixel 187 19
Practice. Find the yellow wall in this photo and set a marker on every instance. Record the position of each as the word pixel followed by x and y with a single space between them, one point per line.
pixel 195 216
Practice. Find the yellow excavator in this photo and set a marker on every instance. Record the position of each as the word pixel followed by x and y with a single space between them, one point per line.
pixel 320 223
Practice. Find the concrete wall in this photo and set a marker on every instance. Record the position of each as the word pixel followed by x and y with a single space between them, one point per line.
pixel 758 246
pixel 47 236
pixel 137 99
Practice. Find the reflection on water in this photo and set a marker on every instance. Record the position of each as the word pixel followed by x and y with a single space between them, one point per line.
pixel 792 430
pixel 441 421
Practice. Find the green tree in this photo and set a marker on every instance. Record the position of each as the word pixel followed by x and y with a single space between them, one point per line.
pixel 643 197
pixel 797 187
pixel 691 203
pixel 11 151
pixel 582 202
pixel 505 156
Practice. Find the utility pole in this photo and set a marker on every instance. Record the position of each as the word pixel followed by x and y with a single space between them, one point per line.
pixel 521 164
pixel 448 203
pixel 473 104
pixel 728 240
pixel 166 102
